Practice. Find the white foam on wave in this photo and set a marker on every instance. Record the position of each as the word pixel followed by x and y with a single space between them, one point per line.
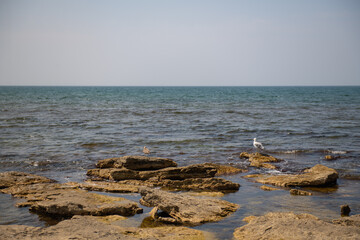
pixel 336 152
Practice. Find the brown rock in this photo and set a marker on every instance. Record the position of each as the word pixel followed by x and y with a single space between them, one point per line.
pixel 102 186
pixel 139 163
pixel 353 220
pixel 185 209
pixel 8 179
pixel 318 175
pixel 87 227
pixel 267 188
pixel 260 160
pixel 199 184
pixel 300 192
pixel 174 173
pixel 331 157
pixel 225 169
pixel 288 225
pixel 66 203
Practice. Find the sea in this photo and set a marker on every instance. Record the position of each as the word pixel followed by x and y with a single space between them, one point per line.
pixel 61 132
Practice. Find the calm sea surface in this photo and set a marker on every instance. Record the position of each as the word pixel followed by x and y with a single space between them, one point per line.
pixel 60 132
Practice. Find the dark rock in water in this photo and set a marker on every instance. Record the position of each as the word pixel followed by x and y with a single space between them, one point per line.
pixel 139 163
pixel 300 192
pixel 260 160
pixel 288 225
pixel 345 210
pixel 88 227
pixel 8 179
pixel 318 175
pixel 185 209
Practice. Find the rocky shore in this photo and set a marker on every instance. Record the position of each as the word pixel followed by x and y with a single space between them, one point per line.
pixel 85 213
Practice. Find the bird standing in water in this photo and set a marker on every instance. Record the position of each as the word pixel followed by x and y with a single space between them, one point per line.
pixel 257 145
pixel 146 150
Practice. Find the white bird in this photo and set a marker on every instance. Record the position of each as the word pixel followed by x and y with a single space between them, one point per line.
pixel 146 150
pixel 257 145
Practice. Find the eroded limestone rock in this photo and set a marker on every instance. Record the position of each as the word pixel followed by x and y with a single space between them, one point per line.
pixel 318 175
pixel 288 225
pixel 8 179
pixel 260 160
pixel 88 227
pixel 139 163
pixel 66 203
pixel 185 209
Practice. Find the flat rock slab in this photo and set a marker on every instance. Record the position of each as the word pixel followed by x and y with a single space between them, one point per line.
pixel 222 169
pixel 199 184
pixel 132 186
pixel 174 173
pixel 66 203
pixel 293 226
pixel 8 179
pixel 103 186
pixel 139 163
pixel 185 209
pixel 260 160
pixel 319 175
pixel 87 227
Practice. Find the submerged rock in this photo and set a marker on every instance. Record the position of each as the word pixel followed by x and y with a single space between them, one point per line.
pixel 300 192
pixel 260 160
pixel 87 227
pixel 288 225
pixel 185 209
pixel 267 188
pixel 8 179
pixel 139 163
pixel 318 175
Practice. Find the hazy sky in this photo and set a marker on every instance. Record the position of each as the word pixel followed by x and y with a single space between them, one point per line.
pixel 179 42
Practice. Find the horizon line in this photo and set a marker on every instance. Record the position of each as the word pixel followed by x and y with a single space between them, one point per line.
pixel 180 85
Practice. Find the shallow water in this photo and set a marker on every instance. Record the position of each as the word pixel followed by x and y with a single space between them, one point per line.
pixel 60 132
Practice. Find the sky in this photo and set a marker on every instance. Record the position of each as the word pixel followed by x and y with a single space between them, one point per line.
pixel 179 42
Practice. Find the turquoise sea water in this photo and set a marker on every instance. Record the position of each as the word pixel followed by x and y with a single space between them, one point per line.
pixel 60 132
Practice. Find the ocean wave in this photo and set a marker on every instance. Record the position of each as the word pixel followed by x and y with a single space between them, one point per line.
pixel 336 152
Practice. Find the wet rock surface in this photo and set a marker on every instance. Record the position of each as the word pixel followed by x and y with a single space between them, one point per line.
pixel 300 192
pixel 174 173
pixel 198 177
pixel 139 163
pixel 260 160
pixel 289 225
pixel 319 175
pixel 8 179
pixel 88 227
pixel 185 209
pixel 67 203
